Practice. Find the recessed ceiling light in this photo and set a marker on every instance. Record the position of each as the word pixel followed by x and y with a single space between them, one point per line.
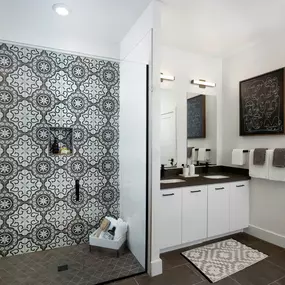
pixel 61 9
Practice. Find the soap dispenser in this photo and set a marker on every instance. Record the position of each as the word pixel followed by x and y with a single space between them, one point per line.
pixel 192 169
pixel 185 170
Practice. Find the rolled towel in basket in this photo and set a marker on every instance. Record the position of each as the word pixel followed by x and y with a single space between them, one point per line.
pixel 121 229
pixel 113 222
pixel 103 227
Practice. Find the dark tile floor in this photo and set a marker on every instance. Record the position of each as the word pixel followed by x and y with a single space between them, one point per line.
pixel 178 271
pixel 40 268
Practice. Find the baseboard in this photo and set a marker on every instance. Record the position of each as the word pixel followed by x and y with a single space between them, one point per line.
pixel 266 235
pixel 156 267
pixel 198 242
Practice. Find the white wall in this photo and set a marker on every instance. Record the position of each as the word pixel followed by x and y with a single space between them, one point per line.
pixel 267 210
pixel 168 101
pixel 186 66
pixel 130 45
pixel 140 45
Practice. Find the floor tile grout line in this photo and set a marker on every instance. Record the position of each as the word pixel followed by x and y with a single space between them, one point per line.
pixel 276 280
pixel 199 282
pixel 177 266
pixel 136 281
pixel 196 272
pixel 234 280
pixel 274 264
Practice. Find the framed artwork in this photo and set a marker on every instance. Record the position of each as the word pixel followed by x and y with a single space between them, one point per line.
pixel 196 117
pixel 262 104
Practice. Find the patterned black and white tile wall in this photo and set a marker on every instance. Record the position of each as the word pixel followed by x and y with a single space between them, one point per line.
pixel 40 89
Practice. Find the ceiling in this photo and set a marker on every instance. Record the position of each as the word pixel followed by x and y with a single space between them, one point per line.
pixel 90 21
pixel 220 27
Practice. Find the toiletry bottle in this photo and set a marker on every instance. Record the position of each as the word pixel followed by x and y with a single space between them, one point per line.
pixel 185 170
pixel 55 146
pixel 192 169
pixel 189 169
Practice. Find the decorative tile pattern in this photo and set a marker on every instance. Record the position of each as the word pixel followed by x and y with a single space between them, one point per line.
pixel 40 90
pixel 222 259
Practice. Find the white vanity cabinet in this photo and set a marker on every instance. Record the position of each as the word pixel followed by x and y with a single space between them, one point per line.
pixel 198 213
pixel 239 205
pixel 194 213
pixel 169 218
pixel 218 209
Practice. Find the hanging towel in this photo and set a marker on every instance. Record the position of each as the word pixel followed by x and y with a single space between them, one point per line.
pixel 259 156
pixel 194 156
pixel 202 155
pixel 279 157
pixel 275 173
pixel 259 171
pixel 238 157
pixel 189 151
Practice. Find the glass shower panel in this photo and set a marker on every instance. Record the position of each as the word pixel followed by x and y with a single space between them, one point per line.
pixel 133 154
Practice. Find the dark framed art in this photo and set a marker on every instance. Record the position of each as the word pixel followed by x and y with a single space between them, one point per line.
pixel 196 117
pixel 262 104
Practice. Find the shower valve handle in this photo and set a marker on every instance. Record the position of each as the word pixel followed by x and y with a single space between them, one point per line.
pixel 77 189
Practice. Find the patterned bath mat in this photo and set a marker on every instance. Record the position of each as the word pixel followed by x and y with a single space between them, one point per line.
pixel 219 260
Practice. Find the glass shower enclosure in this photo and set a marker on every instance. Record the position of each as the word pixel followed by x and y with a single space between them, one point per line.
pixel 73 161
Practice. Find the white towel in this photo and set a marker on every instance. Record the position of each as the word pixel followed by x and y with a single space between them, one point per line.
pixel 238 157
pixel 202 154
pixel 121 229
pixel 275 173
pixel 194 156
pixel 259 171
pixel 113 222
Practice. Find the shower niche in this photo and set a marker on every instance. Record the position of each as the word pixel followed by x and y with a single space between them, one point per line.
pixel 60 141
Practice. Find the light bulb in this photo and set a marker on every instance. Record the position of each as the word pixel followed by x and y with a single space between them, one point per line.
pixel 61 9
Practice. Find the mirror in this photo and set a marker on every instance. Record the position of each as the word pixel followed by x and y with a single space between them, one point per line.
pixel 202 126
pixel 187 122
pixel 168 137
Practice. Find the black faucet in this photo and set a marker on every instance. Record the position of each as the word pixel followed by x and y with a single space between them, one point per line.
pixel 171 161
pixel 206 167
pixel 162 171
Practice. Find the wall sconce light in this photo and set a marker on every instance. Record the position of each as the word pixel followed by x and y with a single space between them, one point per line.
pixel 166 77
pixel 203 83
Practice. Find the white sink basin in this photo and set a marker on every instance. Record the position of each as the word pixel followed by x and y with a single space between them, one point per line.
pixel 216 176
pixel 169 181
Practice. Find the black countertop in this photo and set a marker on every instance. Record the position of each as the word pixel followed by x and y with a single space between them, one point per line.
pixel 201 180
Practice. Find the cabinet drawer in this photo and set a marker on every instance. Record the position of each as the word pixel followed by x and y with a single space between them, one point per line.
pixel 194 213
pixel 240 184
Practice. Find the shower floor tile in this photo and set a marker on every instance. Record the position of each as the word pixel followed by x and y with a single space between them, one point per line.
pixel 84 267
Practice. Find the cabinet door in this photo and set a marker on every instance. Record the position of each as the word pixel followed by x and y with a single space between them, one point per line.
pixel 194 213
pixel 239 205
pixel 218 209
pixel 169 218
